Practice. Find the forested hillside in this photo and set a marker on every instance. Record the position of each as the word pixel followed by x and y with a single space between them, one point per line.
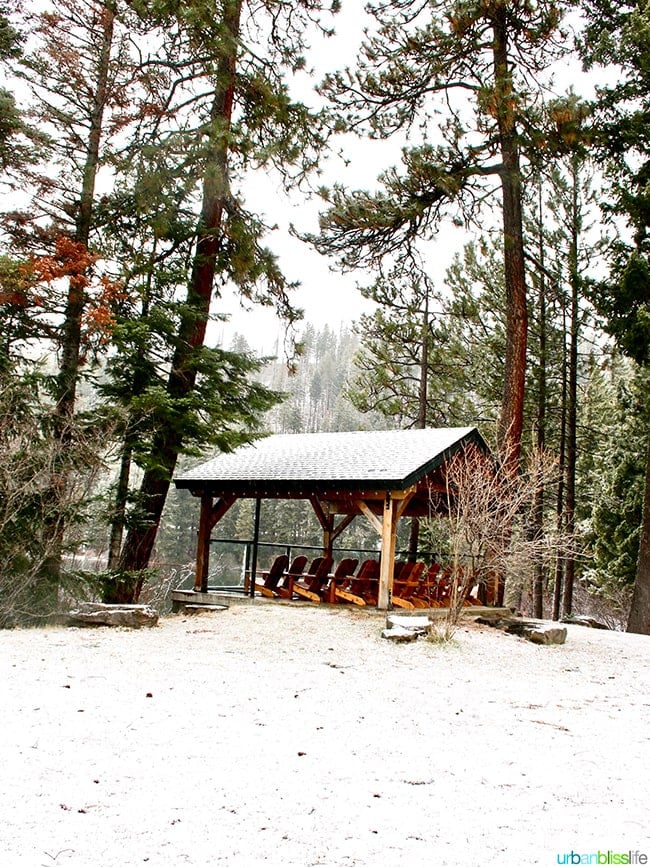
pixel 131 134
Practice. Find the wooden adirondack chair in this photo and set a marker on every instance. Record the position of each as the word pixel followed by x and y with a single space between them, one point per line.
pixel 310 585
pixel 271 578
pixel 285 588
pixel 425 595
pixel 342 574
pixel 366 582
pixel 406 585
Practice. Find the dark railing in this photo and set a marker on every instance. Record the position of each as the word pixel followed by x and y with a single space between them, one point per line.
pixel 231 560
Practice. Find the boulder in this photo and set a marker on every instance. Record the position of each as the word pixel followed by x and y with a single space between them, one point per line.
pixel 99 614
pixel 537 631
pixel 400 635
pixel 404 628
pixel 417 622
pixel 544 633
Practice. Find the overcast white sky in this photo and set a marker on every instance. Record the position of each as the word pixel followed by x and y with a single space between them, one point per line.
pixel 327 297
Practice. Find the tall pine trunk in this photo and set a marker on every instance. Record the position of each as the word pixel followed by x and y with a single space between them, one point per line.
pixel 559 503
pixel 168 441
pixel 71 361
pixel 118 512
pixel 514 375
pixel 572 408
pixel 537 529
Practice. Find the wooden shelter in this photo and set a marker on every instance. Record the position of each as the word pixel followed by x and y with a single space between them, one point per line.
pixel 382 475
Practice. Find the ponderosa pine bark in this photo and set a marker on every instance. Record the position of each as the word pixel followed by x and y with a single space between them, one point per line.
pixel 514 372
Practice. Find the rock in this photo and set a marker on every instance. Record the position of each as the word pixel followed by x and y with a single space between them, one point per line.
pixel 545 634
pixel 584 620
pixel 402 628
pixel 537 631
pixel 400 635
pixel 98 614
pixel 416 621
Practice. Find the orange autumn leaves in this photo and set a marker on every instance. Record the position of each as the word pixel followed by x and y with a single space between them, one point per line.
pixel 73 262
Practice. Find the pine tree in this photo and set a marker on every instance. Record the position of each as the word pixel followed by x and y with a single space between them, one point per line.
pixel 20 143
pixel 78 81
pixel 572 199
pixel 480 61
pixel 247 119
pixel 408 356
pixel 619 34
pixel 620 468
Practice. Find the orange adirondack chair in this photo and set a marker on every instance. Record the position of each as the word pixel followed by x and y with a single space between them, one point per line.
pixel 366 582
pixel 425 595
pixel 310 585
pixel 271 577
pixel 285 588
pixel 342 575
pixel 407 583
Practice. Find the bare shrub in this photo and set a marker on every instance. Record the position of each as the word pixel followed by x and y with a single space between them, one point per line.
pixel 486 529
pixel 30 508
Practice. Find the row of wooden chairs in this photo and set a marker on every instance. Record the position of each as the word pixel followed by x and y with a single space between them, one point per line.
pixel 414 584
pixel 417 586
pixel 288 580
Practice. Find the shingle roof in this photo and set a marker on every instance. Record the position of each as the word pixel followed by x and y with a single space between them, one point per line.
pixel 388 460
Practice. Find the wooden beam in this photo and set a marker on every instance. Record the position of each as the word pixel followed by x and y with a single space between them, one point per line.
pixel 365 509
pixel 256 538
pixel 323 518
pixel 345 522
pixel 402 504
pixel 326 521
pixel 210 515
pixel 220 508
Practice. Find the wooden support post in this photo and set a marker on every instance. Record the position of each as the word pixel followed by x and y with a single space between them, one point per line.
pixel 203 545
pixel 388 537
pixel 256 538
